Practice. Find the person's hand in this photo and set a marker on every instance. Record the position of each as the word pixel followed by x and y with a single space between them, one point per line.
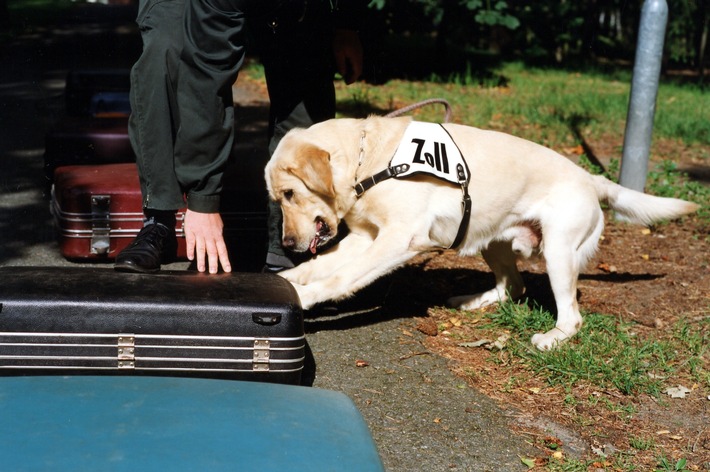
pixel 203 235
pixel 348 54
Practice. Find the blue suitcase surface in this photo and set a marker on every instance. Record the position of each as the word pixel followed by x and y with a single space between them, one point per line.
pixel 179 424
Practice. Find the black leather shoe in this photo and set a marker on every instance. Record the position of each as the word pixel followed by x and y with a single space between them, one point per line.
pixel 155 244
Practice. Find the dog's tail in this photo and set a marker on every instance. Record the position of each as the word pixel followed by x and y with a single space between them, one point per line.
pixel 640 208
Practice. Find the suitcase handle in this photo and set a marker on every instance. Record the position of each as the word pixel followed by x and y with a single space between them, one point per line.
pixel 267 319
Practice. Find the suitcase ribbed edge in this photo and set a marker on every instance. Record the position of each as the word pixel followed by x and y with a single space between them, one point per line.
pixel 127 351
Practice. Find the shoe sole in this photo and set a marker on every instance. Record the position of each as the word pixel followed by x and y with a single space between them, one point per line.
pixel 133 268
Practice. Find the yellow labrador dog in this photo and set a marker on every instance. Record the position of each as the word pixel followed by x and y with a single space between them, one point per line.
pixel 404 187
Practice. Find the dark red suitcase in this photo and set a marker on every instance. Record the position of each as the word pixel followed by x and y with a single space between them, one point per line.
pixel 97 320
pixel 98 211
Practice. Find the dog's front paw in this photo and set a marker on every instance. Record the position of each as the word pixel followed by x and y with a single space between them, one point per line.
pixel 305 295
pixel 297 275
pixel 289 275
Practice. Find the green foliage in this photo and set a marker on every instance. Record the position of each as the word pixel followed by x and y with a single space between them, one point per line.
pixel 492 13
pixel 545 31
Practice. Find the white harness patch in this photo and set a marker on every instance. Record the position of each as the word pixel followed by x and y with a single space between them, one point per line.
pixel 428 148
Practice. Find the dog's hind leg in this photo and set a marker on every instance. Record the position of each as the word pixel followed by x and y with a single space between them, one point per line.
pixel 501 259
pixel 563 273
pixel 567 249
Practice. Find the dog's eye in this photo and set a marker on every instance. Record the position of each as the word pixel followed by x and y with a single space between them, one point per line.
pixel 288 194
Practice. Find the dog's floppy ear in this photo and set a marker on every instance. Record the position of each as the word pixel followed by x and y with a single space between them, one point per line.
pixel 312 165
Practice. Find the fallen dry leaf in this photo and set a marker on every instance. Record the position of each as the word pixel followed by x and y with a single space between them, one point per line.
pixel 677 392
pixel 576 150
pixel 498 344
pixel 479 343
pixel 428 326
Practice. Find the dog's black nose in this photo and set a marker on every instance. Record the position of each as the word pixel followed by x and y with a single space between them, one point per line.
pixel 289 242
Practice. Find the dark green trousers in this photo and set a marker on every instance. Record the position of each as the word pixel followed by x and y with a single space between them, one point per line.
pixel 182 120
pixel 295 48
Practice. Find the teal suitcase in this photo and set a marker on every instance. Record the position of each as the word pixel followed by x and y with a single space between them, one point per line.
pixel 114 423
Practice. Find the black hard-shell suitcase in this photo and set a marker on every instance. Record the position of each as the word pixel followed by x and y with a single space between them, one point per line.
pixel 246 326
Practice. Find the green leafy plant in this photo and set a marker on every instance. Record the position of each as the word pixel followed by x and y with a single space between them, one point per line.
pixel 664 465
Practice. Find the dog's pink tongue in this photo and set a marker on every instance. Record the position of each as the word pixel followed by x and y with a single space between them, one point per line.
pixel 314 242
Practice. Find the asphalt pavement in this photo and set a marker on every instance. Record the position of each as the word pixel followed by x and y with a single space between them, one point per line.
pixel 422 417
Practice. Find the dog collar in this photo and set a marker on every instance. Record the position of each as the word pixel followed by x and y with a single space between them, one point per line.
pixel 426 148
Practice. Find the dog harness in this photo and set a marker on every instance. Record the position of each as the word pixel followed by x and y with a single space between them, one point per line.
pixel 426 148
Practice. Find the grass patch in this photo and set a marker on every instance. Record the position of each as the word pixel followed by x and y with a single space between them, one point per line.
pixel 605 368
pixel 666 180
pixel 607 353
pixel 548 106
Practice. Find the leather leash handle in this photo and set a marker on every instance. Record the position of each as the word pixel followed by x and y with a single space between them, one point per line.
pixel 423 103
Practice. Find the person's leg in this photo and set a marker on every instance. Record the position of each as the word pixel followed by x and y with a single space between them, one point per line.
pixel 212 55
pixel 152 127
pixel 298 64
pixel 154 117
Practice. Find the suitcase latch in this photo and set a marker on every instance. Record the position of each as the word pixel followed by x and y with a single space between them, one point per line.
pixel 126 351
pixel 100 223
pixel 261 355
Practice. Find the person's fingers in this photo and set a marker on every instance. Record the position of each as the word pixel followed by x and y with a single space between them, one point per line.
pixel 200 250
pixel 190 244
pixel 223 255
pixel 204 231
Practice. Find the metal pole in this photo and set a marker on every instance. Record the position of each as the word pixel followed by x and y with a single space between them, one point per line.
pixel 644 89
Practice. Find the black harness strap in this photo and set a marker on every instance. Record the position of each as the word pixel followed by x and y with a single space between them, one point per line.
pixel 390 172
pixel 370 182
pixel 466 208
